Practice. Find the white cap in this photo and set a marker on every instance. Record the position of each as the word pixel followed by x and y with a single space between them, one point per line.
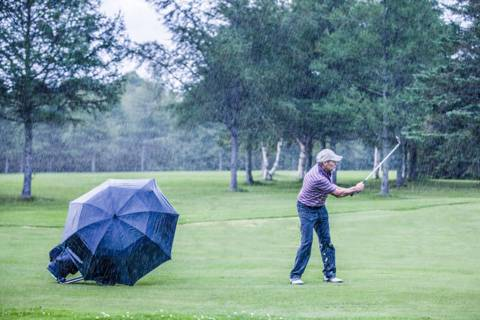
pixel 328 155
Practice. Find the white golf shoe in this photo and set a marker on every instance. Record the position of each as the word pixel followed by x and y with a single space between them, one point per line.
pixel 297 281
pixel 332 280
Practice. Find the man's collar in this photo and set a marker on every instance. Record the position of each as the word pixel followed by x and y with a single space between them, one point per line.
pixel 323 171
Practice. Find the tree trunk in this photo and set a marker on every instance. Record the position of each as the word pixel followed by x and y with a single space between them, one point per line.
pixel 265 162
pixel 27 108
pixel 301 160
pixel 7 165
pixel 333 146
pixel 248 165
pixel 405 162
pixel 376 161
pixel 308 151
pixel 142 158
pixel 93 164
pixel 400 182
pixel 27 160
pixel 384 187
pixel 412 163
pixel 323 142
pixel 272 171
pixel 334 173
pixel 233 159
pixel 220 160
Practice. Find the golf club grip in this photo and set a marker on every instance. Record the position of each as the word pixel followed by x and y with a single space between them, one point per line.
pixel 364 182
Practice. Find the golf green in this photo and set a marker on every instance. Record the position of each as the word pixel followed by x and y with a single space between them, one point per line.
pixel 413 255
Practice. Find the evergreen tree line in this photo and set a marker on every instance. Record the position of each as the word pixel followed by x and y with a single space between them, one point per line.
pixel 257 81
pixel 140 133
pixel 321 72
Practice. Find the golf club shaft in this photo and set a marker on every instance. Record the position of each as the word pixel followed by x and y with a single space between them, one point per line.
pixel 73 280
pixel 380 164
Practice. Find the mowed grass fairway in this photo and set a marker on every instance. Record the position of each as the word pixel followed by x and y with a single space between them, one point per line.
pixel 414 255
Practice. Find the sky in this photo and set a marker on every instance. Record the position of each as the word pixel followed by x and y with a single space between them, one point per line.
pixel 143 24
pixel 141 19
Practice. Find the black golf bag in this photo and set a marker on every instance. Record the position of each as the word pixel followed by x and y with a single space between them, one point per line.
pixel 61 263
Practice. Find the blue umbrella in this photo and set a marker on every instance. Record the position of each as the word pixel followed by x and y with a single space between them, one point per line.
pixel 120 231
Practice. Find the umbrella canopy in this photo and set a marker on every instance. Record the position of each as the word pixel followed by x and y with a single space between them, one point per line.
pixel 120 231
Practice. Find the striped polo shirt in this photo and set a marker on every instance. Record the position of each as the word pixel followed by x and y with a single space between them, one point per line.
pixel 317 184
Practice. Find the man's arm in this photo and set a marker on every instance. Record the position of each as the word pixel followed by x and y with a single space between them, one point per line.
pixel 343 192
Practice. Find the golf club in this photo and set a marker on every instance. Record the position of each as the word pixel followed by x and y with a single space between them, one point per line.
pixel 385 159
pixel 380 164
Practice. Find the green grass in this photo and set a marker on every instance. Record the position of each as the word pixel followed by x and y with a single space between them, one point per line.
pixel 413 255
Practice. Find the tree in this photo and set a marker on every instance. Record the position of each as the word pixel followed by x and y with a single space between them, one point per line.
pixel 56 58
pixel 316 98
pixel 222 58
pixel 264 73
pixel 450 128
pixel 89 141
pixel 380 46
pixel 146 123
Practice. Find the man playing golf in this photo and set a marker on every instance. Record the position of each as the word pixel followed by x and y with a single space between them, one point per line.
pixel 317 185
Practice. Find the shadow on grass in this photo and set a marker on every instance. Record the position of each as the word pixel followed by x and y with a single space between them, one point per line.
pixel 276 185
pixel 13 199
pixel 448 184
pixel 372 187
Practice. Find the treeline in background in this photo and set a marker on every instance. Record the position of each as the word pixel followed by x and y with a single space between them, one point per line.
pixel 245 85
pixel 140 133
